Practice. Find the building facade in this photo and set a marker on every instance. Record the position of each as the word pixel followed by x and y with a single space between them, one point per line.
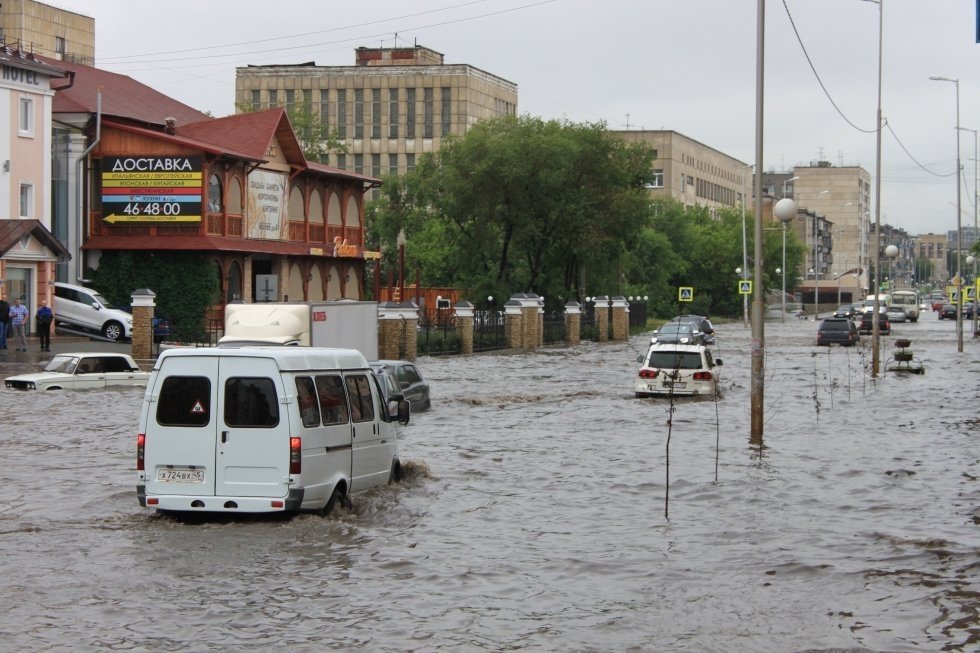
pixel 388 109
pixel 37 28
pixel 29 253
pixel 691 172
pixel 933 248
pixel 842 195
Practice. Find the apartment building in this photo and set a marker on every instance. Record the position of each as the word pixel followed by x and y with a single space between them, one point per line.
pixel 691 172
pixel 842 195
pixel 36 28
pixel 29 252
pixel 935 249
pixel 389 108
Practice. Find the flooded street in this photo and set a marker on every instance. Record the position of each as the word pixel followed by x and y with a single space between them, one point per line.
pixel 535 517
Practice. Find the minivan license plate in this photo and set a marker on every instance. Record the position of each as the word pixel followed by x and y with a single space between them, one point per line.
pixel 180 475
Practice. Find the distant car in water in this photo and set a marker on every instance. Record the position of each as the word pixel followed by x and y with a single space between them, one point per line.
pixel 896 314
pixel 838 330
pixel 682 333
pixel 410 382
pixel 866 325
pixel 675 369
pixel 846 310
pixel 83 371
pixel 947 312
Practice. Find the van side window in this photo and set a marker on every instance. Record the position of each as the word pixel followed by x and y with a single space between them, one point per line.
pixel 361 402
pixel 306 395
pixel 184 401
pixel 333 404
pixel 251 402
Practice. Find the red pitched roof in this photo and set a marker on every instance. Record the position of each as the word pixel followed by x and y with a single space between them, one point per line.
pixel 122 97
pixel 250 133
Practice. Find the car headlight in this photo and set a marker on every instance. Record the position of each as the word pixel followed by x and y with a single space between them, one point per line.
pixel 129 321
pixel 684 340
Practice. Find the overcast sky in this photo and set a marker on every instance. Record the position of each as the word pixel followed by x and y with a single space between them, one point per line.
pixel 685 65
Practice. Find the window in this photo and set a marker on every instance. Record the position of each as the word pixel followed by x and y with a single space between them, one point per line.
pixel 27 200
pixel 361 401
pixel 273 98
pixel 184 401
pixel 392 164
pixel 324 115
pixel 376 113
pixel 359 113
pixel 59 44
pixel 393 113
pixel 358 163
pixel 290 99
pixel 409 113
pixel 309 409
pixel 333 403
pixel 251 402
pixel 214 194
pixel 409 162
pixel 446 110
pixel 342 114
pixel 375 165
pixel 657 181
pixel 342 161
pixel 256 100
pixel 427 113
pixel 25 124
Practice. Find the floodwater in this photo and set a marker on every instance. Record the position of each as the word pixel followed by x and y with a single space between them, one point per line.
pixel 545 509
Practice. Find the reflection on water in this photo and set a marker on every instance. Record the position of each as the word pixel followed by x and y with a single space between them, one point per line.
pixel 532 517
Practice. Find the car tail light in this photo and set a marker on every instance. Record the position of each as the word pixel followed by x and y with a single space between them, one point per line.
pixel 702 376
pixel 649 374
pixel 295 455
pixel 140 450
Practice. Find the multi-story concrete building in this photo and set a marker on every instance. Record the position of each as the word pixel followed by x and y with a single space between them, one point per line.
pixel 935 249
pixel 392 106
pixel 691 172
pixel 37 28
pixel 843 195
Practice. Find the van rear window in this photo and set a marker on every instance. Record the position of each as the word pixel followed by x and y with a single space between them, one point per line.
pixel 251 402
pixel 184 401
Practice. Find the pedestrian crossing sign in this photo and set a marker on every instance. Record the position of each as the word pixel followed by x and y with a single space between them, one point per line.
pixel 954 297
pixel 745 287
pixel 685 294
pixel 971 293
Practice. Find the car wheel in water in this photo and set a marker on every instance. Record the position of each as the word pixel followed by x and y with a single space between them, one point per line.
pixel 112 330
pixel 337 498
pixel 396 475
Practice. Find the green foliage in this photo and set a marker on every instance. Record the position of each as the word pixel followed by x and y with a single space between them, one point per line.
pixel 185 283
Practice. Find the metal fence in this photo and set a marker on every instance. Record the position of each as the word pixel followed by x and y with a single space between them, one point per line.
pixel 437 334
pixel 488 330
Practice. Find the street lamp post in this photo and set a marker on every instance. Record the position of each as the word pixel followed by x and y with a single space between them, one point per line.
pixel 959 219
pixel 971 261
pixel 785 210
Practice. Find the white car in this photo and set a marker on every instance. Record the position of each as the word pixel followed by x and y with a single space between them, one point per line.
pixel 679 370
pixel 83 371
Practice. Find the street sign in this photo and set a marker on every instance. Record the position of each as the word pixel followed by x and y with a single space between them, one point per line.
pixel 954 297
pixel 745 287
pixel 971 293
pixel 685 294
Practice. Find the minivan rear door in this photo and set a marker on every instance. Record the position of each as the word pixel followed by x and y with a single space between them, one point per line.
pixel 252 448
pixel 180 444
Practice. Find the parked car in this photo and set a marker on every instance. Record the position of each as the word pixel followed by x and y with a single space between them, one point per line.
pixel 83 308
pixel 896 314
pixel 838 330
pixel 677 369
pixel 937 304
pixel 683 333
pixel 410 382
pixel 700 323
pixel 968 309
pixel 867 325
pixel 947 312
pixel 83 371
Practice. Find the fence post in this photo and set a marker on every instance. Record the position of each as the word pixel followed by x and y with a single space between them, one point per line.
pixel 464 326
pixel 573 323
pixel 514 323
pixel 397 330
pixel 142 334
pixel 602 317
pixel 620 319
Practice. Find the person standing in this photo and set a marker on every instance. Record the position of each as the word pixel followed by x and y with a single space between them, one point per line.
pixel 18 320
pixel 4 320
pixel 43 318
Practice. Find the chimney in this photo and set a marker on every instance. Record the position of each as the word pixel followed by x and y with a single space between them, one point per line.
pixel 171 127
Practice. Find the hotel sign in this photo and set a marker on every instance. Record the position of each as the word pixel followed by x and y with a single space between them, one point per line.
pixel 151 189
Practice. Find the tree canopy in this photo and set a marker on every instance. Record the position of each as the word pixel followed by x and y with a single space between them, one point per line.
pixel 519 204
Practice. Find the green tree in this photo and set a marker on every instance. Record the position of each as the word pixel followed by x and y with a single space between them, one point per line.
pixel 520 204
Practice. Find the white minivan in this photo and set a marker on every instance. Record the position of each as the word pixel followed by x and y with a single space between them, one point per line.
pixel 263 429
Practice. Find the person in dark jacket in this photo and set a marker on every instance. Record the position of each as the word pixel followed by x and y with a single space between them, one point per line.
pixel 43 317
pixel 4 320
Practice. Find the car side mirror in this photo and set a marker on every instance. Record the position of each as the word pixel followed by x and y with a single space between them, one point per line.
pixel 639 359
pixel 404 412
pixel 95 305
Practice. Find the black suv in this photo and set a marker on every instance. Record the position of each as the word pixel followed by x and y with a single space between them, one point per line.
pixel 837 330
pixel 866 325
